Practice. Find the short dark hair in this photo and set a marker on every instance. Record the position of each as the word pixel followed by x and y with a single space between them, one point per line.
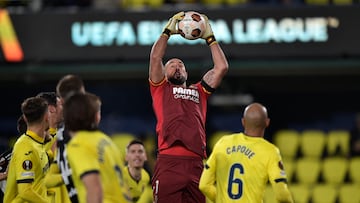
pixel 80 111
pixel 69 84
pixel 132 142
pixel 50 97
pixel 34 108
pixel 21 125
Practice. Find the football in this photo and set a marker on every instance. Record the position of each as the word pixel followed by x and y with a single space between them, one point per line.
pixel 192 26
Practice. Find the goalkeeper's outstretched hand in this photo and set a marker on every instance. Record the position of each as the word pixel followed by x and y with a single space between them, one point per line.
pixel 170 27
pixel 208 34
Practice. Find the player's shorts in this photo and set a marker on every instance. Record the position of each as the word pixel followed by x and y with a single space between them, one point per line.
pixel 176 179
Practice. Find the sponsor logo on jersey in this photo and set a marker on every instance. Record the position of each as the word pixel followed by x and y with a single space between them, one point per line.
pixel 27 165
pixel 28 174
pixel 186 94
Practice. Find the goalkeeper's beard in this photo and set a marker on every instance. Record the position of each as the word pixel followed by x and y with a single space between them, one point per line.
pixel 177 80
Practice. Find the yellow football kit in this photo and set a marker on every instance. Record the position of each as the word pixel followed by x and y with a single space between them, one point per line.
pixel 136 189
pixel 239 169
pixel 27 169
pixel 93 151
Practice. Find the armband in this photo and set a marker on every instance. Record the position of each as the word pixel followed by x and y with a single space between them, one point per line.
pixel 211 40
pixel 167 32
pixel 207 87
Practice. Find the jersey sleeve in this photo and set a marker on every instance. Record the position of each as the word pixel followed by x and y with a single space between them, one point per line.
pixel 276 169
pixel 282 193
pixel 208 176
pixel 277 177
pixel 27 194
pixel 26 162
pixel 53 178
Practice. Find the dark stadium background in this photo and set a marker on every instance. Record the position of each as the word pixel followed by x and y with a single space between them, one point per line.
pixel 303 85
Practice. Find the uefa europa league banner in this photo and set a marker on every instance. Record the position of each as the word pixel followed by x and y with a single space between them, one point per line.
pixel 249 32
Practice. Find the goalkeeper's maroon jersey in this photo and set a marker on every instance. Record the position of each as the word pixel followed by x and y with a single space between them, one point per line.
pixel 181 115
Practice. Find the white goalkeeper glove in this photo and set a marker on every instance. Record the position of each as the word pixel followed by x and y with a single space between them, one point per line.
pixel 208 34
pixel 170 27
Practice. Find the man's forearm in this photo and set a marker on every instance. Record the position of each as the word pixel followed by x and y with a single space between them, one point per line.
pixel 219 58
pixel 159 47
pixel 156 56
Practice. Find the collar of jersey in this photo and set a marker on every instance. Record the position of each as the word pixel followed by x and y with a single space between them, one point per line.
pixel 34 136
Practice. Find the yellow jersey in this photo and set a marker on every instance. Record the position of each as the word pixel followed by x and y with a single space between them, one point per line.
pixel 239 169
pixel 93 151
pixel 136 188
pixel 28 165
pixel 57 192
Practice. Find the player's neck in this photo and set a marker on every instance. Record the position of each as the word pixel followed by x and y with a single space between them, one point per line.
pixel 38 129
pixel 254 133
pixel 135 173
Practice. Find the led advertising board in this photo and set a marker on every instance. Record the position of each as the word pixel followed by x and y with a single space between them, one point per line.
pixel 252 32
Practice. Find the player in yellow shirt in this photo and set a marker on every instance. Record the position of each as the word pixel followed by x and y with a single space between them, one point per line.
pixel 241 164
pixel 57 192
pixel 94 159
pixel 55 108
pixel 136 178
pixel 29 162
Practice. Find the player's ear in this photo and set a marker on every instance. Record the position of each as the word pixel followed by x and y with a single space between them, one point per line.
pixel 46 115
pixel 98 117
pixel 267 122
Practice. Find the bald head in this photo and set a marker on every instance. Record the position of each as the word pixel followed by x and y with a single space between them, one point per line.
pixel 175 72
pixel 255 120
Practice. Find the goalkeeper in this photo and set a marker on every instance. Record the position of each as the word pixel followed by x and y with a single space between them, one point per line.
pixel 180 110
